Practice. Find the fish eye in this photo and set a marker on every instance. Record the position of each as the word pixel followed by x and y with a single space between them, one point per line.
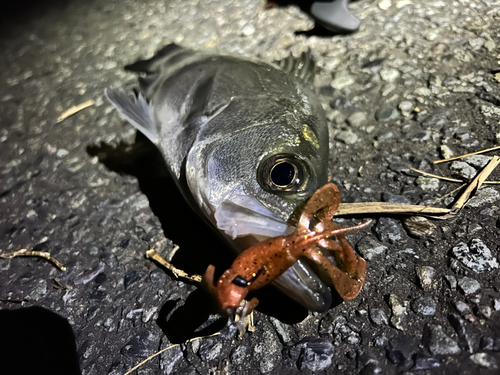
pixel 283 173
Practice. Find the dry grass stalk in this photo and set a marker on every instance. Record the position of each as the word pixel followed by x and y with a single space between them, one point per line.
pixel 154 255
pixel 165 349
pixel 465 155
pixel 28 253
pixel 475 184
pixel 387 208
pixel 74 110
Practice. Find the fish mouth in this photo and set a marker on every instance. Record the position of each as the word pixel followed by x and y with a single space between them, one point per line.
pixel 246 221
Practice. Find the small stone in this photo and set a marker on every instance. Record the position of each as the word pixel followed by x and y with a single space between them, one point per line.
pixel 340 103
pixel 484 360
pixel 484 312
pixel 389 74
pixel 484 196
pixel 424 362
pixel 347 136
pixel 62 153
pixel 384 4
pixel 419 227
pixel 342 82
pixel 387 230
pixel 386 113
pixel 460 327
pixel 452 281
pixel 462 169
pixel 378 317
pixel 248 30
pixel 423 91
pixel 496 304
pixel 475 256
pixel 401 350
pixel 478 161
pixel 468 285
pixel 357 119
pixel 369 247
pixel 490 344
pixel 209 350
pixel 490 45
pixel 406 106
pixel 428 183
pixel 438 342
pixel 398 312
pixel 446 152
pixel 462 307
pixel 476 43
pixel 424 306
pixel 132 277
pixel 421 136
pixel 312 353
pixel 426 275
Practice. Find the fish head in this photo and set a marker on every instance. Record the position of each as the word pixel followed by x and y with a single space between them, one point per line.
pixel 250 183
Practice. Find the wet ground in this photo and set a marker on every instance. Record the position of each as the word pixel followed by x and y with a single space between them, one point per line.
pixel 419 81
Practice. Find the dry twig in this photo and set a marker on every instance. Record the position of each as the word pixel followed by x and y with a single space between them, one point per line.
pixel 154 255
pixel 165 349
pixel 475 185
pixel 387 208
pixel 28 253
pixel 74 110
pixel 465 155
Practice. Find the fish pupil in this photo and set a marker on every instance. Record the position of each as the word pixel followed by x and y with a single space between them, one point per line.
pixel 283 174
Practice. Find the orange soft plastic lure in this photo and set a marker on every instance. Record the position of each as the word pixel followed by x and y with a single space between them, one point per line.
pixel 315 233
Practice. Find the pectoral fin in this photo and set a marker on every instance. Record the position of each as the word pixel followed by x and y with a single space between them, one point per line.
pixel 136 110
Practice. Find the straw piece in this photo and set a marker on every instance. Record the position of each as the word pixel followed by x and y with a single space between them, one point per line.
pixel 435 175
pixel 387 208
pixel 74 110
pixel 28 253
pixel 475 185
pixel 165 349
pixel 465 155
pixel 154 255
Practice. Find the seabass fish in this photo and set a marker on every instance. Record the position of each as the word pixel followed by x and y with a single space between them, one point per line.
pixel 245 141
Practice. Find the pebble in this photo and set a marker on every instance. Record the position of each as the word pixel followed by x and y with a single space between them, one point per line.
pixel 312 353
pixel 347 136
pixel 484 360
pixel 484 196
pixel 438 341
pixel 425 306
pixel 490 45
pixel 421 136
pixel 478 161
pixel 468 285
pixel 369 247
pixel 401 350
pixel 462 307
pixel 460 327
pixel 490 344
pixel 422 91
pixel 209 350
pixel 475 256
pixel 452 281
pixel 340 103
pixel 342 82
pixel 357 119
pixel 446 152
pixel 132 277
pixel 462 169
pixel 406 106
pixel 378 316
pixel 428 183
pixel 398 317
pixel 424 362
pixel 387 230
pixel 386 113
pixel 419 227
pixel 426 276
pixel 389 74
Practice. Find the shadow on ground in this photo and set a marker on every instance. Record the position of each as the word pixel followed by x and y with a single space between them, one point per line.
pixel 35 339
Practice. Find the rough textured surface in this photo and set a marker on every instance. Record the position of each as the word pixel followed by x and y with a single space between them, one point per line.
pixel 417 82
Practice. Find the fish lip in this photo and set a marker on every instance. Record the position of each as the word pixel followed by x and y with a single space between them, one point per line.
pixel 243 217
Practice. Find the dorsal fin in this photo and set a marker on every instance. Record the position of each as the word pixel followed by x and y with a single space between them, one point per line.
pixel 303 67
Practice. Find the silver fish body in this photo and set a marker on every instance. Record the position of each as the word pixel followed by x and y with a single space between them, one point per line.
pixel 245 141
